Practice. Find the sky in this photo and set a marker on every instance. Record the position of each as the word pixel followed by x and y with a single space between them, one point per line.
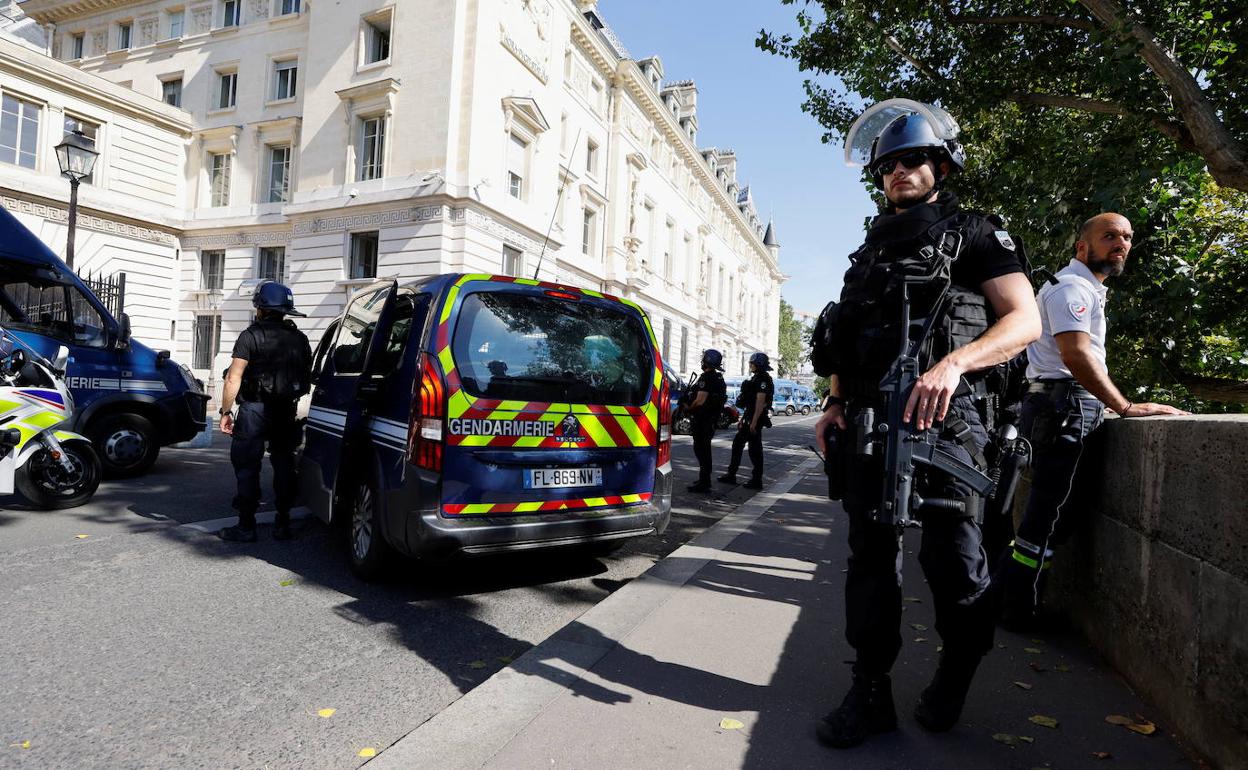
pixel 751 101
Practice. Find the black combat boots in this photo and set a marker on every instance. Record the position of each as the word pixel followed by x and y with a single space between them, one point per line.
pixel 940 705
pixel 867 710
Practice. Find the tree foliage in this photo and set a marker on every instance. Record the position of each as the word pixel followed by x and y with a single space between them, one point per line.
pixel 792 342
pixel 1069 109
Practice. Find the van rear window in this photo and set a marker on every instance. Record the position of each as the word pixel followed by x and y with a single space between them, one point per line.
pixel 531 347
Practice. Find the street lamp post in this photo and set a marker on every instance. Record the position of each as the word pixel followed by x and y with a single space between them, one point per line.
pixel 76 156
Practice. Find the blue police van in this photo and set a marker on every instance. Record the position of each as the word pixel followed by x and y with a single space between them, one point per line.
pixel 475 414
pixel 129 400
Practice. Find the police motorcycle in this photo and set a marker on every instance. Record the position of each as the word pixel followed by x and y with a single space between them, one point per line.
pixel 50 467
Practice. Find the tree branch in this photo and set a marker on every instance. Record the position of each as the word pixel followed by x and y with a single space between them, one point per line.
pixel 1041 20
pixel 1227 158
pixel 1177 132
pixel 897 48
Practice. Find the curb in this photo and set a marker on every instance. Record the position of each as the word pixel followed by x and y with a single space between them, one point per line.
pixel 475 727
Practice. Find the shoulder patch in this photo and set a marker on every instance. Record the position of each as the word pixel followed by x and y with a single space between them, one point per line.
pixel 1004 239
pixel 1078 310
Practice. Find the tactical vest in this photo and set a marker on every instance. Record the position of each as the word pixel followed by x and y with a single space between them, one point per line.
pixel 859 337
pixel 279 367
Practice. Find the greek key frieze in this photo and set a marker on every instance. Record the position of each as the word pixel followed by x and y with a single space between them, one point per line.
pixel 88 221
pixel 225 240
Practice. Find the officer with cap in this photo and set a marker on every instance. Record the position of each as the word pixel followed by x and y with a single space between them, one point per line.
pixel 270 370
pixel 1068 391
pixel 755 405
pixel 705 403
pixel 972 284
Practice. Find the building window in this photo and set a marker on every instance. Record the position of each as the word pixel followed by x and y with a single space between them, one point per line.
pixel 513 261
pixel 517 165
pixel 219 179
pixel 372 148
pixel 289 7
pixel 171 91
pixel 667 339
pixel 272 264
pixel 589 231
pixel 377 39
pixel 684 349
pixel 279 174
pixel 89 130
pixel 77 44
pixel 229 16
pixel 285 79
pixel 207 341
pixel 591 157
pixel 363 256
pixel 227 90
pixel 123 36
pixel 19 131
pixel 669 256
pixel 177 24
pixel 212 270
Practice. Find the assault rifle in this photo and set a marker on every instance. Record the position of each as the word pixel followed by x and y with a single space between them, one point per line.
pixel 904 447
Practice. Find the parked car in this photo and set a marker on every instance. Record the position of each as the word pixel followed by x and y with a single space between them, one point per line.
pixel 477 414
pixel 130 400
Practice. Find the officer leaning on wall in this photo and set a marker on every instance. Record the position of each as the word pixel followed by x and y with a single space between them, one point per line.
pixel 755 404
pixel 984 314
pixel 705 403
pixel 1068 390
pixel 270 370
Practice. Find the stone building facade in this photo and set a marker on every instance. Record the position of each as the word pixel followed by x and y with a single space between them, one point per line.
pixel 333 143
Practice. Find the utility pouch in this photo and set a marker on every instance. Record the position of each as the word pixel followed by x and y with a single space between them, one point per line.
pixel 1046 428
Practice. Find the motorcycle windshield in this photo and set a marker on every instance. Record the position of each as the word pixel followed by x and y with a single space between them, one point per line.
pixel 862 134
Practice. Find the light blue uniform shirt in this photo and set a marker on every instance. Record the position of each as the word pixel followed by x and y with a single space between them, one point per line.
pixel 1075 304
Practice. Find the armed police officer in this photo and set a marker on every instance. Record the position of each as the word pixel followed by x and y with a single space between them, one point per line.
pixel 705 401
pixel 754 401
pixel 1069 388
pixel 960 275
pixel 270 370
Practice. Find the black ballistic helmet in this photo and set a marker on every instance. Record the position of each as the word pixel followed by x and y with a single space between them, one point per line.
pixel 274 296
pixel 713 358
pixel 913 132
pixel 761 361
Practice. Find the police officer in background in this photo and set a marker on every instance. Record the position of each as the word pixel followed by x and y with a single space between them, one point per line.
pixel 270 370
pixel 754 402
pixel 1069 388
pixel 989 317
pixel 705 401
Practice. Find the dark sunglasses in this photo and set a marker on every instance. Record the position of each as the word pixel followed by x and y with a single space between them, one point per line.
pixel 912 159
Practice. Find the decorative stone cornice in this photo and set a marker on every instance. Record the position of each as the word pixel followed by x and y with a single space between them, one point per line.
pixel 54 212
pixel 55 11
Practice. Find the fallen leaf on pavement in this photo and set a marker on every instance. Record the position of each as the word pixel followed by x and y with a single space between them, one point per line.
pixel 367 752
pixel 1026 739
pixel 1102 755
pixel 920 638
pixel 285 583
pixel 505 659
pixel 918 626
pixel 81 537
pixel 728 723
pixel 914 600
pixel 1038 641
pixel 1118 719
pixel 1065 669
pixel 940 648
pixel 1022 685
pixel 1138 725
pixel 1043 721
pixel 477 664
pixel 1006 738
pixel 22 745
pixel 1033 650
pixel 326 713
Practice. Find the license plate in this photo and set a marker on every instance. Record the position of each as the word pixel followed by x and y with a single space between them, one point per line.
pixel 562 478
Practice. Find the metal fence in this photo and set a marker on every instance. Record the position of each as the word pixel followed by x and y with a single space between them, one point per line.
pixel 111 290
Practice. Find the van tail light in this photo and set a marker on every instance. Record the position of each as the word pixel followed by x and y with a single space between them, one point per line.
pixel 665 424
pixel 425 431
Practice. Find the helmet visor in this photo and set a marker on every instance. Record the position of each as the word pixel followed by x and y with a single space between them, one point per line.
pixel 862 134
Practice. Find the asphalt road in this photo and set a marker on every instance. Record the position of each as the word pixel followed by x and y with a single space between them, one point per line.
pixel 150 643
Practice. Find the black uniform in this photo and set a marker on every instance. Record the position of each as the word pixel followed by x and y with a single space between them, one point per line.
pixel 951 555
pixel 279 363
pixel 705 419
pixel 747 402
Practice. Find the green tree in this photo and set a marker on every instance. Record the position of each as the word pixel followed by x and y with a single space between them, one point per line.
pixel 792 342
pixel 1069 109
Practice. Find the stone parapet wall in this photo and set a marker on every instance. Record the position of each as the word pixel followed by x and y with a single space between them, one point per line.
pixel 1156 576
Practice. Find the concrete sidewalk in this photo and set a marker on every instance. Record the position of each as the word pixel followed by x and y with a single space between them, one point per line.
pixel 746 623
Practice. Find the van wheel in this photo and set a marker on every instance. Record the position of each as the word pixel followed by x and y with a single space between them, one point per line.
pixel 367 548
pixel 806 410
pixel 126 444
pixel 789 410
